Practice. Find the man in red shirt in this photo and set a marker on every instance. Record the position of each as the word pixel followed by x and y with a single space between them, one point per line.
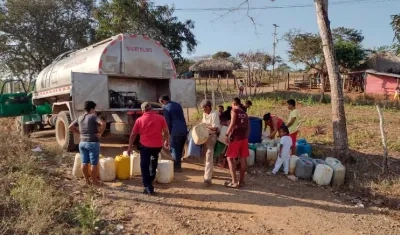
pixel 150 127
pixel 237 133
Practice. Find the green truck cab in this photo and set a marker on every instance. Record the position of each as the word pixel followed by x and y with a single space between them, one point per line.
pixel 16 101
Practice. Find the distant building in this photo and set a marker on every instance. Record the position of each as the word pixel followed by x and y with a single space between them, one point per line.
pixel 212 68
pixel 379 74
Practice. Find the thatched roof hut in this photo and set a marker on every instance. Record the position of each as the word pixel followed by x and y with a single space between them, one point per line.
pixel 212 68
pixel 212 65
pixel 385 62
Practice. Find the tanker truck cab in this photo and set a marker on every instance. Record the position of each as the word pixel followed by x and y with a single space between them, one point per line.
pixel 118 74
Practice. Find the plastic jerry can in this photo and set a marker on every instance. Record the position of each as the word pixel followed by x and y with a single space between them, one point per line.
pixel 165 172
pixel 304 168
pixel 339 170
pixel 292 164
pixel 268 142
pixel 272 155
pixel 107 169
pixel 76 169
pixel 135 165
pixel 122 167
pixel 261 154
pixel 316 162
pixel 302 148
pixel 323 174
pixel 251 158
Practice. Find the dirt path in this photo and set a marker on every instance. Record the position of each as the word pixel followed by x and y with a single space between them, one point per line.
pixel 266 205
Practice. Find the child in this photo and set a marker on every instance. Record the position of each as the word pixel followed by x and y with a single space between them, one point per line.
pixel 397 94
pixel 284 151
pixel 293 122
pixel 241 88
pixel 220 109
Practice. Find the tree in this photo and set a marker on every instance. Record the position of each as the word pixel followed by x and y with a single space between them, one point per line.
pixel 305 48
pixel 347 34
pixel 236 63
pixel 284 68
pixel 349 54
pixel 221 55
pixel 267 61
pixel 395 23
pixel 143 17
pixel 33 33
pixel 184 65
pixel 340 139
pixel 253 61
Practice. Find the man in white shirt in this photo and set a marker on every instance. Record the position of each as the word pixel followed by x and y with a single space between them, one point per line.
pixel 211 118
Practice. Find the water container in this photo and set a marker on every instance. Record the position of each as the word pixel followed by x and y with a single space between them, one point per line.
pixel 251 158
pixel 304 169
pixel 107 169
pixel 255 130
pixel 316 162
pixel 261 154
pixel 165 172
pixel 339 170
pixel 194 150
pixel 272 155
pixel 76 169
pixel 292 164
pixel 323 174
pixel 253 147
pixel 269 142
pixel 122 167
pixel 302 148
pixel 135 165
pixel 219 149
pixel 301 141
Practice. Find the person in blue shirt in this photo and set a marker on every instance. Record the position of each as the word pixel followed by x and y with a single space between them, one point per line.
pixel 176 122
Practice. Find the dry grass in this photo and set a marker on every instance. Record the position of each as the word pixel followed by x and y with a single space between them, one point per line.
pixel 32 202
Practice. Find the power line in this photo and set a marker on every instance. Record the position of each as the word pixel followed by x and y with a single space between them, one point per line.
pixel 343 2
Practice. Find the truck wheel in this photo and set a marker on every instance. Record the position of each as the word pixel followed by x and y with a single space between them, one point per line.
pixel 19 127
pixel 64 137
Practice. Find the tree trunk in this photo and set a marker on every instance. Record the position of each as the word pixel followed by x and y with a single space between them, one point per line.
pixel 341 149
pixel 322 99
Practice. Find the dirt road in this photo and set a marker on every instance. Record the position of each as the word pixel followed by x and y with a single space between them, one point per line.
pixel 266 205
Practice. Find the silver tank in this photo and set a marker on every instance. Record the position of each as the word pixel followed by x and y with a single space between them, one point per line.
pixel 125 55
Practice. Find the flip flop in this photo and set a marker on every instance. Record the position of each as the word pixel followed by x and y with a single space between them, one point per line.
pixel 231 185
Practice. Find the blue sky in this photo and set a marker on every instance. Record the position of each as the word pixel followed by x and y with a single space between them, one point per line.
pixel 370 16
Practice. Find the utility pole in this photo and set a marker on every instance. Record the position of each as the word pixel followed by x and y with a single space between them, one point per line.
pixel 273 58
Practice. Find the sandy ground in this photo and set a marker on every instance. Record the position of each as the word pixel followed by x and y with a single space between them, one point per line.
pixel 265 205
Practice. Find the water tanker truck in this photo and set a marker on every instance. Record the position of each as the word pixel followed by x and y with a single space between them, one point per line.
pixel 118 74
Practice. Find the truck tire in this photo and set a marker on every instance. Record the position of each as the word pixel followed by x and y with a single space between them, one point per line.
pixel 120 128
pixel 52 120
pixel 64 137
